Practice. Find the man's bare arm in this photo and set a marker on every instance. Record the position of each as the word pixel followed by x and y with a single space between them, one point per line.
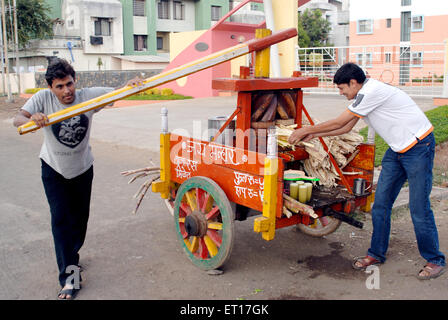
pixel 345 129
pixel 342 124
pixel 23 117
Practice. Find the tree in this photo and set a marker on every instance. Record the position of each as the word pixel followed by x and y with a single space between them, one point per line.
pixel 313 29
pixel 33 21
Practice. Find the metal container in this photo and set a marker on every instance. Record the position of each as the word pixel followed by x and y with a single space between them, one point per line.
pixel 226 137
pixel 359 186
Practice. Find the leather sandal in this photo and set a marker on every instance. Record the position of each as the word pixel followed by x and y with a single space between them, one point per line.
pixel 365 262
pixel 433 271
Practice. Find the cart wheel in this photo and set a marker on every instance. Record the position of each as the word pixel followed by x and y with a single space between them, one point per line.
pixel 321 226
pixel 204 222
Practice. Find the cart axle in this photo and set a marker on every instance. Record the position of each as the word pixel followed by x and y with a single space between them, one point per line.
pixel 196 224
pixel 344 218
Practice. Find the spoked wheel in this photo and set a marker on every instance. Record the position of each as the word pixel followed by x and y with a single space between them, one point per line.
pixel 321 227
pixel 204 222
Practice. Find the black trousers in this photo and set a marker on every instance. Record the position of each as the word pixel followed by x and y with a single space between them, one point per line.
pixel 69 201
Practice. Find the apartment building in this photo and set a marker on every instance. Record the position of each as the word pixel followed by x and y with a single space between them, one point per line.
pixel 118 34
pixel 400 41
pixel 147 23
pixel 252 13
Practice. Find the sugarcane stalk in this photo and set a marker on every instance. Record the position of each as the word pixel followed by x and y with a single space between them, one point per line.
pixel 298 207
pixel 129 172
pixel 286 212
pixel 145 189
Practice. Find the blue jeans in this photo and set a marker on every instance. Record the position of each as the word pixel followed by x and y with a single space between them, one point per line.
pixel 415 165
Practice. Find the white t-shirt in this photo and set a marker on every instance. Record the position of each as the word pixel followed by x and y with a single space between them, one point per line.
pixel 392 113
pixel 66 144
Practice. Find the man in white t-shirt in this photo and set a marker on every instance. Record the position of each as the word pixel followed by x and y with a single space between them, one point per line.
pixel 408 132
pixel 67 165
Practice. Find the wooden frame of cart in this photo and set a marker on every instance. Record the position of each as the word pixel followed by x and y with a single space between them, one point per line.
pixel 210 185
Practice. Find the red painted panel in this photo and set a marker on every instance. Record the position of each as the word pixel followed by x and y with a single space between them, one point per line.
pixel 238 172
pixel 264 84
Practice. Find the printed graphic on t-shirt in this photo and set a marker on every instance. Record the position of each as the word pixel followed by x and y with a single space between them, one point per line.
pixel 71 132
pixel 358 100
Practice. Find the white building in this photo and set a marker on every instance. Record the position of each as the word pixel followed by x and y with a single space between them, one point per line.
pixel 337 13
pixel 88 35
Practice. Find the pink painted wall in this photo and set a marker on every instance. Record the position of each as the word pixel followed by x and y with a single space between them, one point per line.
pixel 380 35
pixel 435 31
pixel 199 84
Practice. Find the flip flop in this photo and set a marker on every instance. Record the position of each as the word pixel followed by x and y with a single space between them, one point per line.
pixel 365 261
pixel 434 271
pixel 72 292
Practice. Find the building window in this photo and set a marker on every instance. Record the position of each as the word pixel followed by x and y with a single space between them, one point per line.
pixel 388 23
pixel 365 26
pixel 416 59
pixel 139 8
pixel 178 10
pixel 388 57
pixel 102 27
pixel 417 23
pixel 163 8
pixel 406 2
pixel 216 13
pixel 159 43
pixel 255 7
pixel 364 60
pixel 140 42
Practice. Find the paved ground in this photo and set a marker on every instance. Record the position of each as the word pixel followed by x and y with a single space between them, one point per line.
pixel 137 256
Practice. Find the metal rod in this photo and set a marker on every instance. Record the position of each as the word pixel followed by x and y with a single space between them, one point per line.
pixel 164 115
pixel 238 110
pixel 1 56
pixel 344 218
pixel 16 36
pixel 276 72
pixel 5 50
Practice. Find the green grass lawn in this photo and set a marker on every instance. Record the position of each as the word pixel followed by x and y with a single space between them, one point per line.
pixel 438 118
pixel 174 96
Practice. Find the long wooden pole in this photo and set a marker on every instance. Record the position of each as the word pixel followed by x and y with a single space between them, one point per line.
pixel 167 76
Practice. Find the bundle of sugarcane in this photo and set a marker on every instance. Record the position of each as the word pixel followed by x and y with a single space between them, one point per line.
pixel 283 132
pixel 268 107
pixel 318 164
pixel 153 172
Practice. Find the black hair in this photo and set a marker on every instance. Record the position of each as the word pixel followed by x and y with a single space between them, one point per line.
pixel 58 69
pixel 347 72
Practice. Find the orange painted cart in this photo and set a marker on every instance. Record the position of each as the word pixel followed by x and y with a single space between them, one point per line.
pixel 208 185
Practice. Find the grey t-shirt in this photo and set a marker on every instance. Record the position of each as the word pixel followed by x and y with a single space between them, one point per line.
pixel 66 144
